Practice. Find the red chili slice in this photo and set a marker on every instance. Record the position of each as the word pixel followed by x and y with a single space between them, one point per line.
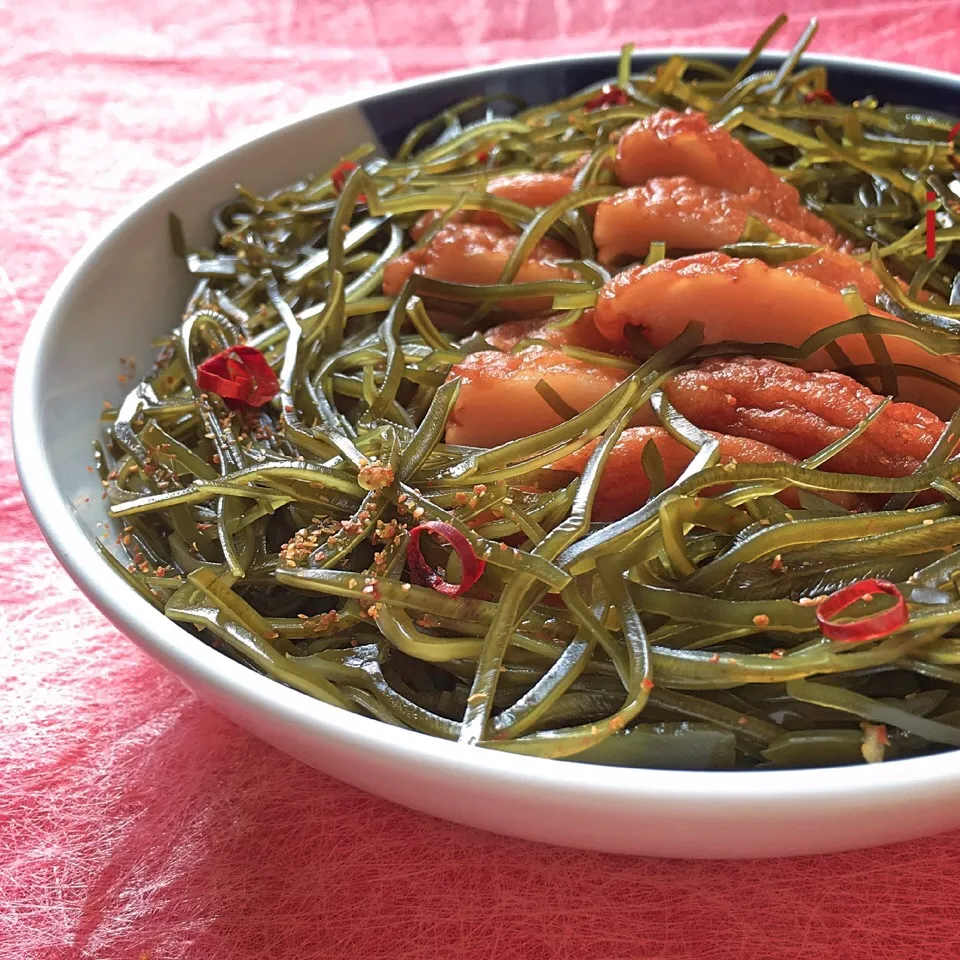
pixel 421 571
pixel 340 173
pixel 820 96
pixel 866 628
pixel 610 96
pixel 950 138
pixel 241 375
pixel 339 176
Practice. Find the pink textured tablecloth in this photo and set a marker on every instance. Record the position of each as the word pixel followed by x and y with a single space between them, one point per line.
pixel 135 822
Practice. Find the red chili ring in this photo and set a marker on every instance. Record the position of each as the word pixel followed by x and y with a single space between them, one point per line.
pixel 866 628
pixel 241 375
pixel 340 173
pixel 339 177
pixel 950 138
pixel 820 96
pixel 421 571
pixel 610 96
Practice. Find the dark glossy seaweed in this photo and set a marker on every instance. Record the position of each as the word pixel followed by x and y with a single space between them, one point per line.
pixel 684 635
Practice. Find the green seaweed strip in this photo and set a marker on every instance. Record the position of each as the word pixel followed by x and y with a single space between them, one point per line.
pixel 850 702
pixel 652 463
pixel 393 356
pixel 556 403
pixel 762 42
pixel 217 618
pixel 516 597
pixel 666 638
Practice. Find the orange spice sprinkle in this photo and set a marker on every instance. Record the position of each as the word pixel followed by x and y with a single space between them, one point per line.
pixel 375 477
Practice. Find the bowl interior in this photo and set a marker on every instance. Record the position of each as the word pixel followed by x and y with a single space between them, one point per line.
pixel 128 288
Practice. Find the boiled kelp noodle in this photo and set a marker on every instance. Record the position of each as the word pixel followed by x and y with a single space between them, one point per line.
pixel 430 443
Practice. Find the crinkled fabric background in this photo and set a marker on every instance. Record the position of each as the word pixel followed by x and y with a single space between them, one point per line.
pixel 135 822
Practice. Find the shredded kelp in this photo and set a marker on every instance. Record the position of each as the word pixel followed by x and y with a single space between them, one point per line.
pixel 684 635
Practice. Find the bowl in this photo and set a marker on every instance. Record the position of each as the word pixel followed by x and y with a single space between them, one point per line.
pixel 126 288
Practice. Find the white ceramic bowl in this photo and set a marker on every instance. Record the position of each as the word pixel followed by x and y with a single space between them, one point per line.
pixel 126 288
